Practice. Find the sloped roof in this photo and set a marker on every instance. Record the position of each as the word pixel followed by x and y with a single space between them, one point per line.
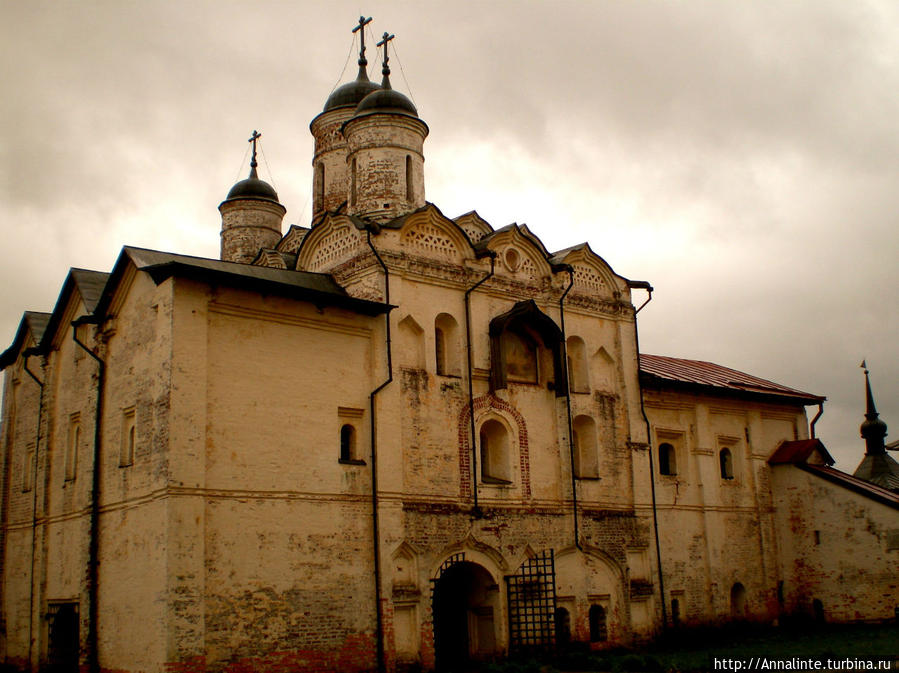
pixel 318 288
pixel 32 321
pixel 697 374
pixel 879 469
pixel 89 285
pixel 799 451
pixel 852 483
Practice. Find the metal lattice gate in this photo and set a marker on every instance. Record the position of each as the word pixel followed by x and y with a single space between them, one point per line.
pixel 532 604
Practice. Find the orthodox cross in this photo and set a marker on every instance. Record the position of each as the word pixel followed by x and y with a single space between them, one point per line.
pixel 363 22
pixel 256 135
pixel 386 38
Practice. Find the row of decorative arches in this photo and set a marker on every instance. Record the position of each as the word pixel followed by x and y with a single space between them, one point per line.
pixel 521 349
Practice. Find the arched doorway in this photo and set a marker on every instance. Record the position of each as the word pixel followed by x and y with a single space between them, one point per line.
pixel 63 646
pixel 738 601
pixel 465 608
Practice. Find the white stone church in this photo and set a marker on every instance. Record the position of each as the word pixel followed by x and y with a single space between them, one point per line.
pixel 397 439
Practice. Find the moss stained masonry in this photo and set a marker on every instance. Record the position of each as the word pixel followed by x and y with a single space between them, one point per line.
pixel 235 534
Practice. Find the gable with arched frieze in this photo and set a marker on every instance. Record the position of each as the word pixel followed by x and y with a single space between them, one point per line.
pixel 592 275
pixel 474 226
pixel 292 240
pixel 518 256
pixel 427 233
pixel 333 241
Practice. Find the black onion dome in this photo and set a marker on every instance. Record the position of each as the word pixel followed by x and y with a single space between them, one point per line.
pixel 386 100
pixel 351 93
pixel 253 188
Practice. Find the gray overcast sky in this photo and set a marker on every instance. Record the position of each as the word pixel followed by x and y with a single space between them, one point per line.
pixel 741 156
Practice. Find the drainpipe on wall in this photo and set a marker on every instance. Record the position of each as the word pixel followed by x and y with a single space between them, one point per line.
pixel 382 665
pixel 643 285
pixel 37 447
pixel 811 426
pixel 571 447
pixel 93 660
pixel 476 510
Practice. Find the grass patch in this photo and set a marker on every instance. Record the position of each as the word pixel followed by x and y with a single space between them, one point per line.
pixel 693 650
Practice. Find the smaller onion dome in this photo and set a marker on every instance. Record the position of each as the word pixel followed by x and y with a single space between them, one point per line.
pixel 253 188
pixel 385 99
pixel 351 93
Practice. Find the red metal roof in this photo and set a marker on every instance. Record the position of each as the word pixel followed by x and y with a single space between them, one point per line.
pixel 799 451
pixel 699 373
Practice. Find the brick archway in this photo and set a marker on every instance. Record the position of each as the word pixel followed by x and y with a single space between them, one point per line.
pixel 503 408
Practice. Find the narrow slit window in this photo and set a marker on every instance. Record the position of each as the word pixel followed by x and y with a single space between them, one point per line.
pixel 129 438
pixel 74 439
pixel 408 178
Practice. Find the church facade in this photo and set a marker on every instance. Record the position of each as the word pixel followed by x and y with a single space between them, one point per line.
pixel 393 440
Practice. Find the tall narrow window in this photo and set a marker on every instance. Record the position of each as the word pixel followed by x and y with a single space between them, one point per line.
pixel 586 456
pixel 28 468
pixel 74 439
pixel 129 438
pixel 675 612
pixel 667 459
pixel 320 175
pixel 353 182
pixel 446 345
pixel 496 465
pixel 347 442
pixel 727 464
pixel 597 617
pixel 408 178
pixel 577 365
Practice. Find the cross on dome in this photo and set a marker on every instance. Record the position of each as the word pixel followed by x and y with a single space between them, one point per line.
pixel 385 70
pixel 363 22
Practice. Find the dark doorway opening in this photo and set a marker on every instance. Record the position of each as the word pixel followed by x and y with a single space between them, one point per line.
pixel 464 604
pixel 63 644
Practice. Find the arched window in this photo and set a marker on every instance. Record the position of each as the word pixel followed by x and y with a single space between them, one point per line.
pixel 408 178
pixel 667 459
pixel 727 464
pixel 563 626
pixel 597 617
pixel 347 442
pixel 738 600
pixel 586 456
pixel 496 466
pixel 446 345
pixel 578 379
